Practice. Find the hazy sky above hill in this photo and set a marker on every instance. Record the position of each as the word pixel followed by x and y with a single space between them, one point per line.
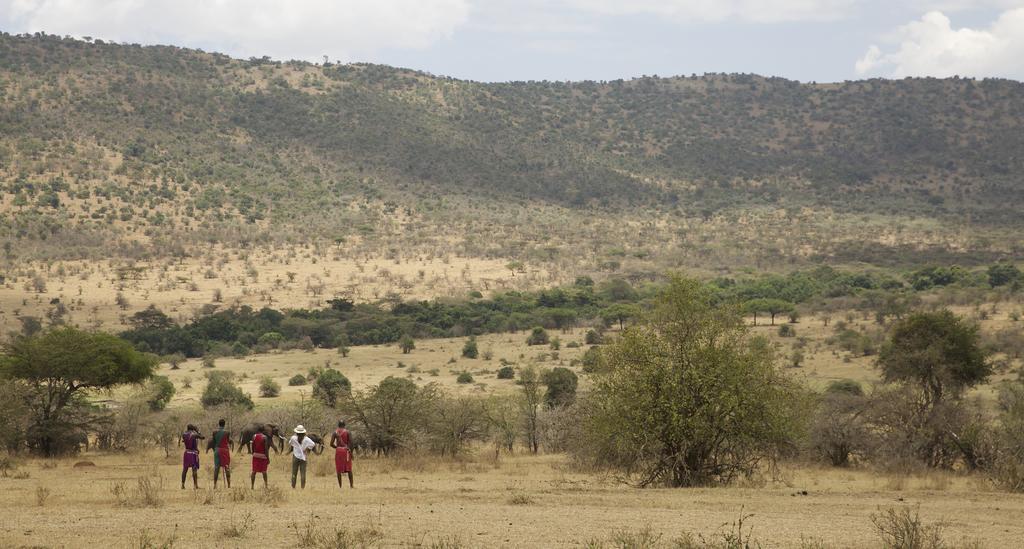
pixel 493 40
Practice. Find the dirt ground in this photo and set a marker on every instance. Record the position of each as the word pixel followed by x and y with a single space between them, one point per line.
pixel 514 501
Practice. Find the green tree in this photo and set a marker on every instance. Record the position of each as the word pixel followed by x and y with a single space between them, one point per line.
pixel 773 307
pixel 407 344
pixel 58 366
pixel 539 336
pixel 269 388
pixel 620 313
pixel 470 350
pixel 1002 274
pixel 561 384
pixel 688 398
pixel 160 392
pixel 330 386
pixel 221 390
pixel 938 353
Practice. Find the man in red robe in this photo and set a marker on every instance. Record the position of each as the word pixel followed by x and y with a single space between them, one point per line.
pixel 341 442
pixel 221 453
pixel 260 458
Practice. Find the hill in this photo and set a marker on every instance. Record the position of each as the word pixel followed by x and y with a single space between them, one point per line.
pixel 121 150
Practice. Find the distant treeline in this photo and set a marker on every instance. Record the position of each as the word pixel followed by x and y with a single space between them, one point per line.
pixel 240 330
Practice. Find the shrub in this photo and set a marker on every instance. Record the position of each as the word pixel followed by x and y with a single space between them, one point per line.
pixel 506 372
pixel 271 339
pixel 269 388
pixel 556 344
pixel 539 336
pixel 901 528
pixel 845 386
pixel 209 362
pixel 407 344
pixel 664 384
pixel 592 360
pixel 330 386
pixel 786 330
pixel 296 380
pixel 561 384
pixel 465 377
pixel 160 392
pixel 221 390
pixel 470 350
pixel 594 337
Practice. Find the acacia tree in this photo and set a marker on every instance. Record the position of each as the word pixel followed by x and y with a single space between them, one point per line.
pixel 687 398
pixel 390 411
pixel 58 367
pixel 935 357
pixel 938 353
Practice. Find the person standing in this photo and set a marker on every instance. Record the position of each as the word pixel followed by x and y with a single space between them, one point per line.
pixel 221 453
pixel 341 442
pixel 300 444
pixel 190 438
pixel 260 458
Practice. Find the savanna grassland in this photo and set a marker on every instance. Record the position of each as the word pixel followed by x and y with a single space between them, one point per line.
pixel 515 501
pixel 308 237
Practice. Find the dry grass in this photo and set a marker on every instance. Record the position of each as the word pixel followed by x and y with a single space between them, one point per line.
pixel 474 503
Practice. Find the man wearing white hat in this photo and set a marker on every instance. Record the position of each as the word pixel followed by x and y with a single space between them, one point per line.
pixel 300 445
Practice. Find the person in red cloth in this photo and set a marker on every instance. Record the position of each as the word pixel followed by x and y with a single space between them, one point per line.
pixel 260 459
pixel 341 441
pixel 221 454
pixel 191 438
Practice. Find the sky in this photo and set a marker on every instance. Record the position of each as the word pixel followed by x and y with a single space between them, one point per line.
pixel 493 40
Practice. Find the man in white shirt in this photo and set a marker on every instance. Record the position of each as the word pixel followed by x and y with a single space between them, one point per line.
pixel 300 444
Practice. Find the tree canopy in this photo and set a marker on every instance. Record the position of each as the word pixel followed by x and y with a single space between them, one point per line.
pixel 58 365
pixel 938 352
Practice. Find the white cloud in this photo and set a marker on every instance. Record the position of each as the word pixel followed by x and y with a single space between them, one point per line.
pixel 301 29
pixel 758 11
pixel 932 47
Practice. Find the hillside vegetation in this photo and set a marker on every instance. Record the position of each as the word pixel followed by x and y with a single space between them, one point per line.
pixel 150 150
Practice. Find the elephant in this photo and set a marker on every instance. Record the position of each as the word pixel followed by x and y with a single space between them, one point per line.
pixel 318 440
pixel 271 430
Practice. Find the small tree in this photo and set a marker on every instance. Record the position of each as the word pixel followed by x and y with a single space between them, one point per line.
pixel 657 406
pixel 160 391
pixel 529 403
pixel 269 388
pixel 391 411
pixel 939 353
pixel 470 350
pixel 592 360
pixel 221 391
pixel 539 336
pixel 330 386
pixel 561 384
pixel 620 313
pixel 407 344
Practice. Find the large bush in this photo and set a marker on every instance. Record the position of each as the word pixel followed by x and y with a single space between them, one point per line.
pixel 330 386
pixel 561 383
pixel 657 407
pixel 221 390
